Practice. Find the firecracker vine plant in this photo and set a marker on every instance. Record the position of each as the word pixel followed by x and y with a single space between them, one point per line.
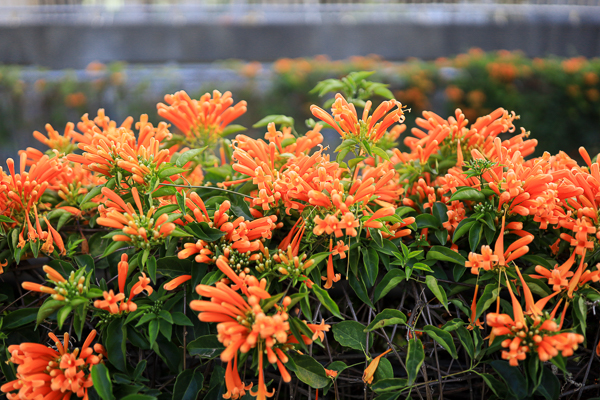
pixel 188 260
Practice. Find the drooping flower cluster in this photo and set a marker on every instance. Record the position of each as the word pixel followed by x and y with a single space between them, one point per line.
pixel 243 325
pixel 53 374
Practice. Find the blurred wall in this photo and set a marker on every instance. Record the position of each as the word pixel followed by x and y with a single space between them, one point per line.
pixel 74 36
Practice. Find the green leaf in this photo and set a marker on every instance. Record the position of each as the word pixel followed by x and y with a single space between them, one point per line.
pixel 6 219
pixel 351 334
pixel 462 228
pixel 201 230
pixel 549 386
pixel 205 346
pixel 282 120
pixel 475 235
pixel 389 281
pixel 188 156
pixel 361 291
pixel 467 341
pixel 386 385
pixel 47 309
pixel 489 295
pixel 151 265
pixel 62 315
pixel 381 153
pixel 467 193
pixel 443 338
pixel 387 317
pixel 102 383
pixel 437 290
pixel 138 396
pixel 371 262
pixel 441 253
pixel 427 221
pixel 515 381
pixel 18 318
pixel 231 129
pixel 170 171
pixel 326 300
pixel 181 319
pixel 440 211
pixel 308 370
pixel 414 359
pixel 188 385
pixel 174 267
pixel 497 386
pixel 115 344
pixel 153 328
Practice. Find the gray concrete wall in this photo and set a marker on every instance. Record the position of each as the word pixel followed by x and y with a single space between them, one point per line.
pixel 74 46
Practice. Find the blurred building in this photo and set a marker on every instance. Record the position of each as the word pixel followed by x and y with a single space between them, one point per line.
pixel 72 33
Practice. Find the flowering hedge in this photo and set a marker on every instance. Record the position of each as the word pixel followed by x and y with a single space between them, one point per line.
pixel 195 261
pixel 558 97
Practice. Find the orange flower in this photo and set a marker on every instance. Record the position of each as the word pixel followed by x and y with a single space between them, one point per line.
pixel 349 223
pixel 174 283
pixel 140 286
pixel 370 371
pixel 345 119
pixel 140 229
pixel 201 121
pixel 52 374
pixel 242 325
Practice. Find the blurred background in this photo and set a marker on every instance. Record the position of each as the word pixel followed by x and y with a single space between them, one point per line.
pixel 60 59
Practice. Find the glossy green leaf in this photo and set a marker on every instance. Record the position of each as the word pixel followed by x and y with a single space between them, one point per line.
pixel 490 293
pixel 437 290
pixel 308 370
pixel 361 291
pixel 102 383
pixel 385 318
pixel 427 221
pixel 115 344
pixel 392 279
pixel 371 263
pixel 188 156
pixel 414 359
pixel 205 346
pixel 441 253
pixel 326 300
pixel 467 193
pixel 443 338
pixel 386 385
pixel 351 334
pixel 514 379
pixel 188 385
pixel 475 235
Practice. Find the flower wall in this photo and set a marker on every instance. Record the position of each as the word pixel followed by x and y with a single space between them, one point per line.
pixel 185 259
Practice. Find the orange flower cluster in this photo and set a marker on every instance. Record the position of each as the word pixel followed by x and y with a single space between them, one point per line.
pixel 345 119
pixel 241 236
pixel 288 185
pixel 111 300
pixel 64 289
pixel 108 149
pixel 243 325
pixel 201 121
pixel 53 374
pixel 142 230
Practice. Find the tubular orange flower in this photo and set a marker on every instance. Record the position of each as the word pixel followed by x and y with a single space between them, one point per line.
pixel 203 120
pixel 142 230
pixel 174 283
pixel 345 119
pixel 52 374
pixel 370 371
